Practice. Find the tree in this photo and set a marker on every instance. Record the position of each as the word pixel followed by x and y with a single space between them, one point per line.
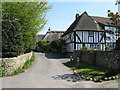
pixel 115 18
pixel 43 46
pixel 20 23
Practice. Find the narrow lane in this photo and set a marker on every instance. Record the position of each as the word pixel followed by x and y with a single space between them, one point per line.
pixel 48 72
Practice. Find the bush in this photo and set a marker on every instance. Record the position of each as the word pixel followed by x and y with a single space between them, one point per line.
pixel 53 47
pixel 117 48
pixel 43 46
pixel 84 48
pixel 58 45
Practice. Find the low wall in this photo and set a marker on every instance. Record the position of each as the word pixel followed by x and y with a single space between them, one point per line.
pixel 118 43
pixel 12 64
pixel 108 59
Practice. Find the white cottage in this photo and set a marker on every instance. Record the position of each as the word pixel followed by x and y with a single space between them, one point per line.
pixel 86 30
pixel 118 2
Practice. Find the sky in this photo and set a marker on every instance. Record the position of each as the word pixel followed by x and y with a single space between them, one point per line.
pixel 62 14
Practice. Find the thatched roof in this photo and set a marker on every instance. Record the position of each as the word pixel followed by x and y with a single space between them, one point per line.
pixel 39 37
pixel 102 20
pixel 52 35
pixel 84 22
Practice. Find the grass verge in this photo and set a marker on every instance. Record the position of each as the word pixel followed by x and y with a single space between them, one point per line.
pixel 25 66
pixel 91 71
pixel 2 71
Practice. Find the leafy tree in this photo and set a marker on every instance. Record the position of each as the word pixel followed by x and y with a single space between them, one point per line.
pixel 43 46
pixel 115 22
pixel 20 23
pixel 58 45
pixel 11 39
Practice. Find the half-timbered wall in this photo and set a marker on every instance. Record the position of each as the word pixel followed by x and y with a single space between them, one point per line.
pixel 90 39
pixel 69 38
pixel 111 38
pixel 70 47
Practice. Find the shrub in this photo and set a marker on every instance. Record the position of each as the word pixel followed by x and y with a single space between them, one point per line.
pixel 56 45
pixel 107 47
pixel 43 46
pixel 84 48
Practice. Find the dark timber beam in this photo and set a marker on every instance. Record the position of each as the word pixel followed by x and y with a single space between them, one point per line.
pixel 105 38
pixel 78 38
pixel 75 40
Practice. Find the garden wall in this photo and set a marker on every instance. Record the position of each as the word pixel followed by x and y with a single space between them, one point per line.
pixel 118 44
pixel 12 64
pixel 108 59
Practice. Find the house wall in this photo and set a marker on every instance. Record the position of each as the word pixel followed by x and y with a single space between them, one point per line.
pixel 119 7
pixel 113 38
pixel 110 41
pixel 70 47
pixel 68 38
pixel 107 59
pixel 92 42
pixel 69 41
pixel 86 39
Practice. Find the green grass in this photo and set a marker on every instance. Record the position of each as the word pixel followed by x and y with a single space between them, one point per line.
pixel 92 71
pixel 19 70
pixel 27 64
pixel 2 71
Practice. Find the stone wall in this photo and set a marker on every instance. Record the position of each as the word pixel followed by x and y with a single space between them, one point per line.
pixel 118 44
pixel 108 59
pixel 12 64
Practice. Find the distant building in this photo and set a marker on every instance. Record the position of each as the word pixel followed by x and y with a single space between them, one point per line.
pixel 52 35
pixel 39 37
pixel 89 31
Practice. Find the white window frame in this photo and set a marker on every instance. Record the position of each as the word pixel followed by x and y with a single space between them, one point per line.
pixel 90 33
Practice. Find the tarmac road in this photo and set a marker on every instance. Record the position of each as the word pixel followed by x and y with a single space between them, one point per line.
pixel 48 72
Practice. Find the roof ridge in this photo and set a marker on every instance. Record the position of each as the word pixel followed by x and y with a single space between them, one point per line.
pixel 97 25
pixel 78 19
pixel 100 17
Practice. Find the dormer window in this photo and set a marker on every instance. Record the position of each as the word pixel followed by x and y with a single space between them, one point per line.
pixel 90 33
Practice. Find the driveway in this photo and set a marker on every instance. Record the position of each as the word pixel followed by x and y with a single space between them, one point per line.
pixel 48 72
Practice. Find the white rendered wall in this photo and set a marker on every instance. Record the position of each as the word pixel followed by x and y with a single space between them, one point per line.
pixel 70 47
pixel 119 7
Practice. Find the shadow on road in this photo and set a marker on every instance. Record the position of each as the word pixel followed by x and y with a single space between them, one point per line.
pixel 55 56
pixel 68 77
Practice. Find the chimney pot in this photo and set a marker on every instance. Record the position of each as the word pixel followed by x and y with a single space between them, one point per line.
pixel 49 29
pixel 77 15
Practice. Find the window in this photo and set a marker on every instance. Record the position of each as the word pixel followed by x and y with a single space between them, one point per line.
pixel 95 46
pixel 90 33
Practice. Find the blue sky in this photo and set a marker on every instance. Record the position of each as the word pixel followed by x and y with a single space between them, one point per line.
pixel 63 14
